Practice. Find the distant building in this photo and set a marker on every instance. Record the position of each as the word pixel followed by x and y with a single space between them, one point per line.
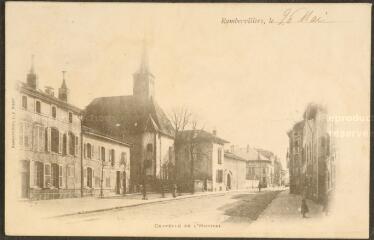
pixel 48 130
pixel 312 155
pixel 106 164
pixel 260 168
pixel 200 164
pixel 138 119
pixel 235 173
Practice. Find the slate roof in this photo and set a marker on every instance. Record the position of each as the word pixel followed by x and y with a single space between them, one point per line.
pixel 125 114
pixel 200 135
pixel 233 156
pixel 98 134
pixel 250 154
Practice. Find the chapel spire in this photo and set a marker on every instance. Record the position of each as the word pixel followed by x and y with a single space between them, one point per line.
pixel 32 78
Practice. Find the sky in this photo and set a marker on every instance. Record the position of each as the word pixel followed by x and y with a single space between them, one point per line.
pixel 250 82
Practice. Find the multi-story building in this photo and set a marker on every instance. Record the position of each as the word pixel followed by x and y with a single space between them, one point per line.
pixel 296 164
pixel 106 164
pixel 48 141
pixel 312 155
pixel 260 169
pixel 141 121
pixel 200 164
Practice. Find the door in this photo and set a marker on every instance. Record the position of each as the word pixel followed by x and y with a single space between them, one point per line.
pixel 118 182
pixel 89 177
pixel 228 182
pixel 25 179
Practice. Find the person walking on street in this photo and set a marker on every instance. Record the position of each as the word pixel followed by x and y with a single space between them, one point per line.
pixel 304 208
pixel 259 186
pixel 326 204
pixel 175 190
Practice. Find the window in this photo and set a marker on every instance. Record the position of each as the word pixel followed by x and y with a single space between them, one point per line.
pixel 71 143
pixel 123 158
pixel 47 175
pixel 55 140
pixel 88 150
pixel 54 114
pixel 37 107
pixel 219 177
pixel 24 102
pixel 112 157
pixel 38 138
pixel 219 156
pixel 149 147
pixel 25 133
pixel 103 154
pixel 55 175
pixel 264 171
pixel 70 117
pixel 39 174
pixel 170 153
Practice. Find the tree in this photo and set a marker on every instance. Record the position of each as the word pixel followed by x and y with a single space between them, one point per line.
pixel 182 119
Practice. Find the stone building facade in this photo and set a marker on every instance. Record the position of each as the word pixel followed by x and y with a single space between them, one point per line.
pixel 200 164
pixel 48 130
pixel 106 164
pixel 236 172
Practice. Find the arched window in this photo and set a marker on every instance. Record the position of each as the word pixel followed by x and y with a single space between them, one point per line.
pixel 71 143
pixel 55 140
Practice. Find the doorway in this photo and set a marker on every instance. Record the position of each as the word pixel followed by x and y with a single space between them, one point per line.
pixel 228 182
pixel 25 179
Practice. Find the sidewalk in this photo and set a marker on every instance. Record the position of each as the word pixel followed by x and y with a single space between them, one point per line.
pixel 72 206
pixel 284 219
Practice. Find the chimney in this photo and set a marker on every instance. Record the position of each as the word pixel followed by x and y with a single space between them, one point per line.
pixel 247 148
pixel 50 91
pixel 215 132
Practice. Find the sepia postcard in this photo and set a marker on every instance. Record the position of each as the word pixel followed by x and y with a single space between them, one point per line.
pixel 187 120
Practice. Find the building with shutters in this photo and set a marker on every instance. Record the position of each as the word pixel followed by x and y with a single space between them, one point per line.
pixel 48 139
pixel 106 164
pixel 200 165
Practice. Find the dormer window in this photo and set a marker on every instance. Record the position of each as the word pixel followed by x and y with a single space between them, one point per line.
pixel 37 107
pixel 54 112
pixel 70 117
pixel 24 102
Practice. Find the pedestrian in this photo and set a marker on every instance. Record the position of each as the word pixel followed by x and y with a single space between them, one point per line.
pixel 304 208
pixel 259 186
pixel 144 192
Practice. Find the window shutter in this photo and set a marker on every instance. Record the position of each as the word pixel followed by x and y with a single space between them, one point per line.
pixel 35 138
pixel 60 182
pixel 59 142
pixel 93 179
pixel 76 145
pixel 92 151
pixel 98 153
pixel 49 139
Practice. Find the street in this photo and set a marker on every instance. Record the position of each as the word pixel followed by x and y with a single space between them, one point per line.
pixel 203 212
